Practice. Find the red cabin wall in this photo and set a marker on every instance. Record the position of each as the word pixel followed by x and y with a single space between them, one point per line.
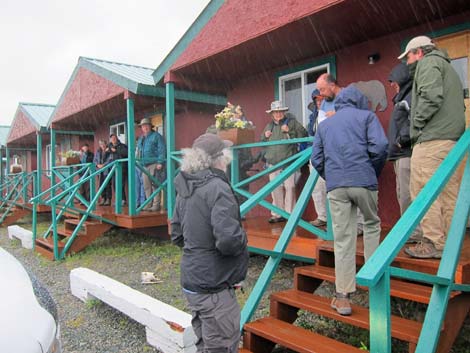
pixel 21 126
pixel 87 89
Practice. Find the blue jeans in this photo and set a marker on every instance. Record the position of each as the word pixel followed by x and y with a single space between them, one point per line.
pixel 139 187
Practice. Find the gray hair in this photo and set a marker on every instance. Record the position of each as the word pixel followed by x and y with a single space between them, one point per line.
pixel 196 159
pixel 102 142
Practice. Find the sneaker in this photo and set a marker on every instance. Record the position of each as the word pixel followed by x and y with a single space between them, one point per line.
pixel 124 203
pixel 107 203
pixel 318 223
pixel 155 209
pixel 425 249
pixel 341 303
pixel 148 207
pixel 360 231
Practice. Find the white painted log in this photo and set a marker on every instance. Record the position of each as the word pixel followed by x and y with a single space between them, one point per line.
pixel 26 236
pixel 168 329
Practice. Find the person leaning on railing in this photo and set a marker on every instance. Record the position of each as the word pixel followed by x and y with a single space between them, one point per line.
pixel 281 127
pixel 86 156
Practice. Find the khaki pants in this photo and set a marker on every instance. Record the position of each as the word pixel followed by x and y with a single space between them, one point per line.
pixel 149 187
pixel 284 195
pixel 319 197
pixel 402 180
pixel 216 321
pixel 425 159
pixel 344 203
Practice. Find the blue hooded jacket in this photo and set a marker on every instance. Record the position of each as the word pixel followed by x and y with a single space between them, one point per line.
pixel 350 148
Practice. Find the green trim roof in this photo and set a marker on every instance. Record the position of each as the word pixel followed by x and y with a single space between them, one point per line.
pixel 137 79
pixel 39 114
pixel 4 130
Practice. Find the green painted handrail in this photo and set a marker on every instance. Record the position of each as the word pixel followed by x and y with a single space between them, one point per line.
pixel 377 271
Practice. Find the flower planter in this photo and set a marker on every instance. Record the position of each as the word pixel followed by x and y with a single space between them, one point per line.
pixel 237 136
pixel 15 169
pixel 72 160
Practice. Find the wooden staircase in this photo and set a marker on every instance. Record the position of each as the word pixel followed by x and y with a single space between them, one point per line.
pixel 14 214
pixel 90 231
pixel 279 328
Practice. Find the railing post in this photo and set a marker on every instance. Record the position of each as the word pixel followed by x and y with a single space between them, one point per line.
pixel 35 208
pixel 118 187
pixel 38 162
pixel 2 168
pixel 92 185
pixel 131 196
pixel 170 146
pixel 234 168
pixel 7 165
pixel 24 188
pixel 52 161
pixel 379 308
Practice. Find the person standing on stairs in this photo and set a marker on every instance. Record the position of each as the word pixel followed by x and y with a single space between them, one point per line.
pixel 437 122
pixel 329 90
pixel 206 223
pixel 399 138
pixel 349 152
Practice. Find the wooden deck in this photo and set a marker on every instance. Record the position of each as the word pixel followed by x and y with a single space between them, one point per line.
pixel 262 237
pixel 144 219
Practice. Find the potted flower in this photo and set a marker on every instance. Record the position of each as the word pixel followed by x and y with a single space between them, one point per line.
pixel 71 157
pixel 232 125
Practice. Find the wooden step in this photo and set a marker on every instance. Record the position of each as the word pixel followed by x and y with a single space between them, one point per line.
pixel 14 215
pixel 45 246
pixel 403 329
pixel 399 289
pixel 292 337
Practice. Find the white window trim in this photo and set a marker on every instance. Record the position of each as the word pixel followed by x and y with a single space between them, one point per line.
pixel 116 126
pixel 302 74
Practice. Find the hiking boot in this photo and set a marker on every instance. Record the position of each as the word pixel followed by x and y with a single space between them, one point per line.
pixel 276 219
pixel 318 223
pixel 341 303
pixel 155 209
pixel 425 249
pixel 102 202
pixel 107 203
pixel 415 238
pixel 147 207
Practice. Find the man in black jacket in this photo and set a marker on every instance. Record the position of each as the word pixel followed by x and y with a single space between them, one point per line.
pixel 206 223
pixel 399 138
pixel 118 150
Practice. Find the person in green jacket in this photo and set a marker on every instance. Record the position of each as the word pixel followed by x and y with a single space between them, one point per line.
pixel 437 122
pixel 283 126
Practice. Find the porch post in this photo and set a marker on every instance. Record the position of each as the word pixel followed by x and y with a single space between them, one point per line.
pixel 131 196
pixel 52 159
pixel 38 162
pixel 2 171
pixel 170 146
pixel 7 166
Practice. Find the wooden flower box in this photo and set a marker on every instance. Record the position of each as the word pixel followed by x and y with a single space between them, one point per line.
pixel 72 160
pixel 237 136
pixel 16 168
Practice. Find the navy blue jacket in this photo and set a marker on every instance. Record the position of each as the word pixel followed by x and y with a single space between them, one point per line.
pixel 350 148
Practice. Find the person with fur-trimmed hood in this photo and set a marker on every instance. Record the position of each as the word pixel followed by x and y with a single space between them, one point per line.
pixel 206 224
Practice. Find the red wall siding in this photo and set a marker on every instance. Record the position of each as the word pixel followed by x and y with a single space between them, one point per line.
pixel 21 126
pixel 250 18
pixel 87 89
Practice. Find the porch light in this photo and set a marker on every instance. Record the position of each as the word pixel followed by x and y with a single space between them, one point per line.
pixel 373 58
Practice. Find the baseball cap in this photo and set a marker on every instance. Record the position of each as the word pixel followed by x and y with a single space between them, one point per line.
pixel 415 43
pixel 211 144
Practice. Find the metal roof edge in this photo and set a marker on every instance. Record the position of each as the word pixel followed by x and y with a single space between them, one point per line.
pixel 204 17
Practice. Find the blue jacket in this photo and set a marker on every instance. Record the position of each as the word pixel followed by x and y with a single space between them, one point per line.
pixel 151 148
pixel 350 148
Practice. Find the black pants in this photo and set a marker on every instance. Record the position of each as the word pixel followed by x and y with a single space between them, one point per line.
pixel 107 193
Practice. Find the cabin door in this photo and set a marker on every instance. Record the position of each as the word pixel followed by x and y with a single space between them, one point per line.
pixel 458 48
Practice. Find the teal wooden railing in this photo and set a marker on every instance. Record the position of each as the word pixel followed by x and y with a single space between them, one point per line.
pixel 378 270
pixel 62 195
pixel 16 191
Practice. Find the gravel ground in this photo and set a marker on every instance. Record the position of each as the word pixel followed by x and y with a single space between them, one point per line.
pixel 94 327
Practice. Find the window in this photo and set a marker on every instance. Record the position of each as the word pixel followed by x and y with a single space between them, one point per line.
pixel 295 90
pixel 48 159
pixel 120 131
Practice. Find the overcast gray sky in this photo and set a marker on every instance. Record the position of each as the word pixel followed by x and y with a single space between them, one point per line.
pixel 41 41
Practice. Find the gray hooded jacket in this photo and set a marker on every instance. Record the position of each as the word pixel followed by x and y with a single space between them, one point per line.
pixel 206 223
